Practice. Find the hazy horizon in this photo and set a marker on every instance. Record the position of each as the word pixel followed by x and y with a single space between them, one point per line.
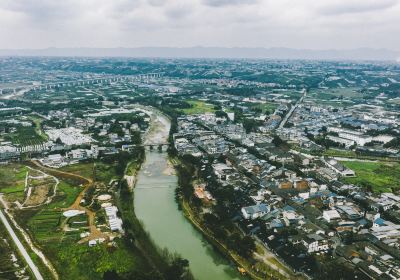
pixel 362 54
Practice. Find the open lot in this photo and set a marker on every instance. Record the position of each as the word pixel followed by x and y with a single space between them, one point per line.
pixel 378 176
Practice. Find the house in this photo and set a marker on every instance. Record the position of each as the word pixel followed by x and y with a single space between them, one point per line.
pixel 331 215
pixel 290 216
pixel 340 168
pixel 349 211
pixel 315 243
pixel 255 211
pixel 114 221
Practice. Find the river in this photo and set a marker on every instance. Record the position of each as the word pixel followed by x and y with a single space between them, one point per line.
pixel 155 206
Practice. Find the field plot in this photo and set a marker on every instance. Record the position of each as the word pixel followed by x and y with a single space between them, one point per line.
pixel 45 225
pixel 37 121
pixel 198 107
pixel 58 236
pixel 265 108
pixel 84 169
pixel 26 136
pixel 377 176
pixel 39 189
pixel 103 172
pixel 12 181
pixel 332 93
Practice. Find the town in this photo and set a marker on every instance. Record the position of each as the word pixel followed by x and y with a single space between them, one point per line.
pixel 291 168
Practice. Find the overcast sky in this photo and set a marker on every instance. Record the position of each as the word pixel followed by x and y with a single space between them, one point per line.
pixel 311 24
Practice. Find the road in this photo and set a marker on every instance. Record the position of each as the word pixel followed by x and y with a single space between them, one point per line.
pixel 28 240
pixel 285 119
pixel 21 247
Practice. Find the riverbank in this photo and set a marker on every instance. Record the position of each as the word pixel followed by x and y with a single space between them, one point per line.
pixel 272 270
pixel 217 244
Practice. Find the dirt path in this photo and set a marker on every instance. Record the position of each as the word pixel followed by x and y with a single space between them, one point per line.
pixel 76 205
pixel 59 172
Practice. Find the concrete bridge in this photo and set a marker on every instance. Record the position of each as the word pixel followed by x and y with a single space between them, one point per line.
pixel 152 146
pixel 106 80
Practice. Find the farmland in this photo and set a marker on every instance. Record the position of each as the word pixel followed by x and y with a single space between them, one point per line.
pixel 198 107
pixel 12 181
pixel 37 121
pixel 26 136
pixel 265 108
pixel 103 172
pixel 377 176
pixel 336 93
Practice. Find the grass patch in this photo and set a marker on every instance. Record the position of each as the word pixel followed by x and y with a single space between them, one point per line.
pixel 75 261
pixel 198 107
pixel 340 153
pixel 66 195
pixel 266 108
pixel 330 93
pixel 45 225
pixel 376 176
pixel 84 169
pixel 12 181
pixel 104 172
pixel 38 126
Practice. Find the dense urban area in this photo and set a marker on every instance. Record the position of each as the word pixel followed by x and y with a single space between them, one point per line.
pixel 286 169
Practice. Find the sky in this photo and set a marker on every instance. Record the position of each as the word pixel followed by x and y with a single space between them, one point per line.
pixel 300 24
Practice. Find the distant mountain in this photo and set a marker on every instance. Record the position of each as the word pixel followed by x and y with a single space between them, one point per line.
pixel 213 52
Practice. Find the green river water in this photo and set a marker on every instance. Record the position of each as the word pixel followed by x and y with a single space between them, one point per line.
pixel 155 206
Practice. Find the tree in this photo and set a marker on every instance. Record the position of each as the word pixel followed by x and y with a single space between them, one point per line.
pixel 111 275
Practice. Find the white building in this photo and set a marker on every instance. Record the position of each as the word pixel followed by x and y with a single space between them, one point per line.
pixel 115 223
pixel 255 211
pixel 331 215
pixel 315 243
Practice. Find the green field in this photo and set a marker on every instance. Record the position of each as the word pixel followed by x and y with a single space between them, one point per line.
pixel 66 194
pixel 12 181
pixel 73 260
pixel 335 93
pixel 26 136
pixel 198 107
pixel 264 107
pixel 38 126
pixel 104 172
pixel 377 176
pixel 340 153
pixel 45 226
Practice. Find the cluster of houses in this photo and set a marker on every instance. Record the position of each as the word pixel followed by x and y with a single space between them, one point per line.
pixel 68 145
pixel 350 128
pixel 289 190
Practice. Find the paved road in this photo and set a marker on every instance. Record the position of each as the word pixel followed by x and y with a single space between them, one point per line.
pixel 285 119
pixel 20 247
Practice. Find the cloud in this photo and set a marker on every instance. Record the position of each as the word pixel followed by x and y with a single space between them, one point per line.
pixel 357 6
pixel 221 3
pixel 253 23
